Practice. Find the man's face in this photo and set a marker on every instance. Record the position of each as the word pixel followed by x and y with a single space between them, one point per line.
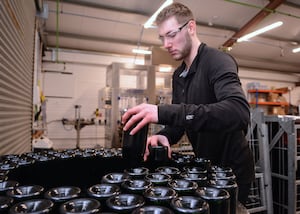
pixel 175 38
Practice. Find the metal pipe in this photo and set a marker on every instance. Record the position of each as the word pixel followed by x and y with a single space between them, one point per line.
pixel 57 29
pixel 97 18
pixel 264 9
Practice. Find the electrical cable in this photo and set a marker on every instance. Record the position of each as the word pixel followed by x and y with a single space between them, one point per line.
pixel 139 43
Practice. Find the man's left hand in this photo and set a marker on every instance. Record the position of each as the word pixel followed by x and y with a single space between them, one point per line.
pixel 142 114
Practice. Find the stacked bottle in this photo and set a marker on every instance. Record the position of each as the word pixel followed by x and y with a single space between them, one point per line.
pixel 186 185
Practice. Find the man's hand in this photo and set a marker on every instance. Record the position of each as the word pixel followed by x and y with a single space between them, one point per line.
pixel 142 114
pixel 156 140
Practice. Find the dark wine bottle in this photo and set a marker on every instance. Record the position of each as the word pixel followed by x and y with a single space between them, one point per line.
pixel 133 146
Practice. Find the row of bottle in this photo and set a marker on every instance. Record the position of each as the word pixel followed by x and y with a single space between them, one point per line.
pixel 11 161
pixel 166 189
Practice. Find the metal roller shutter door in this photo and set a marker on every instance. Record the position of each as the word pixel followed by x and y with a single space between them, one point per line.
pixel 17 20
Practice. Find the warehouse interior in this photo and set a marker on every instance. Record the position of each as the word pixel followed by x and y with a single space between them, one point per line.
pixel 68 70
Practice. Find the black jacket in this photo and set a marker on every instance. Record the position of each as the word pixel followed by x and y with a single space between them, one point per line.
pixel 210 106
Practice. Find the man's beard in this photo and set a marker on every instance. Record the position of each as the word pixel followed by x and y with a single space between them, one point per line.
pixel 186 49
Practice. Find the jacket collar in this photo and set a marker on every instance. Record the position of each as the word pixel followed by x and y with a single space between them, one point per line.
pixel 195 62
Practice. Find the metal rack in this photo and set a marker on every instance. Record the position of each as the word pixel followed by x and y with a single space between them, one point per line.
pixel 260 198
pixel 257 201
pixel 284 150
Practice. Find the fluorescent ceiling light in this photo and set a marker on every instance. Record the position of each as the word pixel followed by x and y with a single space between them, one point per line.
pixel 141 51
pixel 165 68
pixel 150 21
pixel 296 50
pixel 260 31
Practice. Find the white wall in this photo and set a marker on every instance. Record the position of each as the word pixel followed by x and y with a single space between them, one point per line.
pixel 88 76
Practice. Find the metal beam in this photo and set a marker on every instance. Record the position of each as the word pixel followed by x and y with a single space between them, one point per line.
pixel 254 21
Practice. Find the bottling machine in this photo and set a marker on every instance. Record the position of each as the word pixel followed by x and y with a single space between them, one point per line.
pixel 128 85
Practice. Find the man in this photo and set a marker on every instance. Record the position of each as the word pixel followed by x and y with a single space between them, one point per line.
pixel 208 103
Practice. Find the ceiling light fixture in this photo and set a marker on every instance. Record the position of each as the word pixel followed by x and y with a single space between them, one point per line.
pixel 260 31
pixel 141 51
pixel 148 24
pixel 165 68
pixel 296 50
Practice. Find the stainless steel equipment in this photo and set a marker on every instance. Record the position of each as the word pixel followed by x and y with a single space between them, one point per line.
pixel 126 86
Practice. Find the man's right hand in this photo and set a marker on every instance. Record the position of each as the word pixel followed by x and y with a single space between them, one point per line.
pixel 156 140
